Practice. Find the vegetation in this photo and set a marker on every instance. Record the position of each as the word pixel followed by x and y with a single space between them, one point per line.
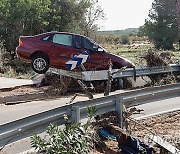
pixel 75 138
pixel 178 19
pixel 136 52
pixel 13 67
pixel 128 31
pixel 161 27
pixel 125 39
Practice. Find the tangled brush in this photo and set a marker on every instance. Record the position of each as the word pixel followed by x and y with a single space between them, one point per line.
pixel 61 85
pixel 155 58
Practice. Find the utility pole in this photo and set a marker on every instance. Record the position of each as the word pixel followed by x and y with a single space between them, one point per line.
pixel 178 19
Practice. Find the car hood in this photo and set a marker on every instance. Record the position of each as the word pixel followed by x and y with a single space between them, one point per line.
pixel 119 59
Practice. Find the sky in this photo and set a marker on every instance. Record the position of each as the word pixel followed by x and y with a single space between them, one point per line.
pixel 122 14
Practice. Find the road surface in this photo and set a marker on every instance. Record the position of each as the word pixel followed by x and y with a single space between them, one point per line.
pixel 158 107
pixel 12 83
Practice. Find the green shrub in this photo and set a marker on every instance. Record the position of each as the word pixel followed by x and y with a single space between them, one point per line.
pixel 124 39
pixel 5 57
pixel 2 48
pixel 75 138
pixel 13 67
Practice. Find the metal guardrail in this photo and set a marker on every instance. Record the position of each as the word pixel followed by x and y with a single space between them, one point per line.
pixel 76 75
pixel 128 72
pixel 78 111
pixel 75 112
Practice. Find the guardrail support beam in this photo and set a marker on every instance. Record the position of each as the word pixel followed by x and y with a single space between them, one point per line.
pixel 119 110
pixel 75 114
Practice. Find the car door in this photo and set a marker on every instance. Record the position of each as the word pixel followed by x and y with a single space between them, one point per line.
pixel 61 49
pixel 97 58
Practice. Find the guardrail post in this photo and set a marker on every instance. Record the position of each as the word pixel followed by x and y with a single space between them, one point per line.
pixel 121 83
pixel 119 110
pixel 75 114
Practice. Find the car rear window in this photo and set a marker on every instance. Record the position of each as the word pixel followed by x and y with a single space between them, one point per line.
pixel 62 39
pixel 46 38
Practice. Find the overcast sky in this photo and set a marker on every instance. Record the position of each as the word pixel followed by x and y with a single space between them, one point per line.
pixel 122 14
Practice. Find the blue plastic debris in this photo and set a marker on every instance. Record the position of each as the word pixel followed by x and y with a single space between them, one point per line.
pixel 135 146
pixel 104 133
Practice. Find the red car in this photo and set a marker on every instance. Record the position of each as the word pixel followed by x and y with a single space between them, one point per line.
pixel 65 51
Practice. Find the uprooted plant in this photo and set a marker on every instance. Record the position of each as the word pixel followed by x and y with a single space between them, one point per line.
pixel 73 139
pixel 155 58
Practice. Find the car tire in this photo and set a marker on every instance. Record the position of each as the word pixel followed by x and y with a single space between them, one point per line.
pixel 40 64
pixel 116 66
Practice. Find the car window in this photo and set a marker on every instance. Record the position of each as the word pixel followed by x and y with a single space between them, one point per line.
pixel 46 38
pixel 77 42
pixel 62 39
pixel 89 44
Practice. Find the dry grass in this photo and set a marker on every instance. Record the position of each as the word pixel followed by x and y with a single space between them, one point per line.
pixel 136 52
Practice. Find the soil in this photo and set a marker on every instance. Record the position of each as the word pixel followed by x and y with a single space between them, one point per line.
pixel 166 126
pixel 27 94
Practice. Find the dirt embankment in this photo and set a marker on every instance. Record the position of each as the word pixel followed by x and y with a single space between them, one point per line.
pixel 166 126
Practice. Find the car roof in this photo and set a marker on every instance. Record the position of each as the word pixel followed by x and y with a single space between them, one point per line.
pixel 56 32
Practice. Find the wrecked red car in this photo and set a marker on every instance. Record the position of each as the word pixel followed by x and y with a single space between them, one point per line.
pixel 66 51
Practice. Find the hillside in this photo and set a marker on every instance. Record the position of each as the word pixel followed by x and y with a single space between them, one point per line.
pixel 127 31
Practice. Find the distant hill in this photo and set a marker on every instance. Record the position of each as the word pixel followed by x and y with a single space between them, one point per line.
pixel 127 31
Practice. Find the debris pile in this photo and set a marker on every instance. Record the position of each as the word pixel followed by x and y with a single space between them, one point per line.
pixel 144 136
pixel 126 143
pixel 58 85
pixel 155 58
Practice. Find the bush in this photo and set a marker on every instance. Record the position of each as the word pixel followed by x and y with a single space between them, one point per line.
pixel 2 48
pixel 75 138
pixel 125 39
pixel 5 57
pixel 13 67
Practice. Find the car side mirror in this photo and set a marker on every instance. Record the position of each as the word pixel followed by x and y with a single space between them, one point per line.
pixel 100 50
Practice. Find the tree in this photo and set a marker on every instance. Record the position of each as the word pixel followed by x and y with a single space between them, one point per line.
pixel 21 17
pixel 66 15
pixel 178 18
pixel 161 26
pixel 93 13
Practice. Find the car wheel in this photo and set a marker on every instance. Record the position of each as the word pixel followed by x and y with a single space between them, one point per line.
pixel 40 64
pixel 117 66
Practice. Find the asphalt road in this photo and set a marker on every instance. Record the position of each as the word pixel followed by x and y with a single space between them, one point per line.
pixel 15 112
pixel 11 83
pixel 158 107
